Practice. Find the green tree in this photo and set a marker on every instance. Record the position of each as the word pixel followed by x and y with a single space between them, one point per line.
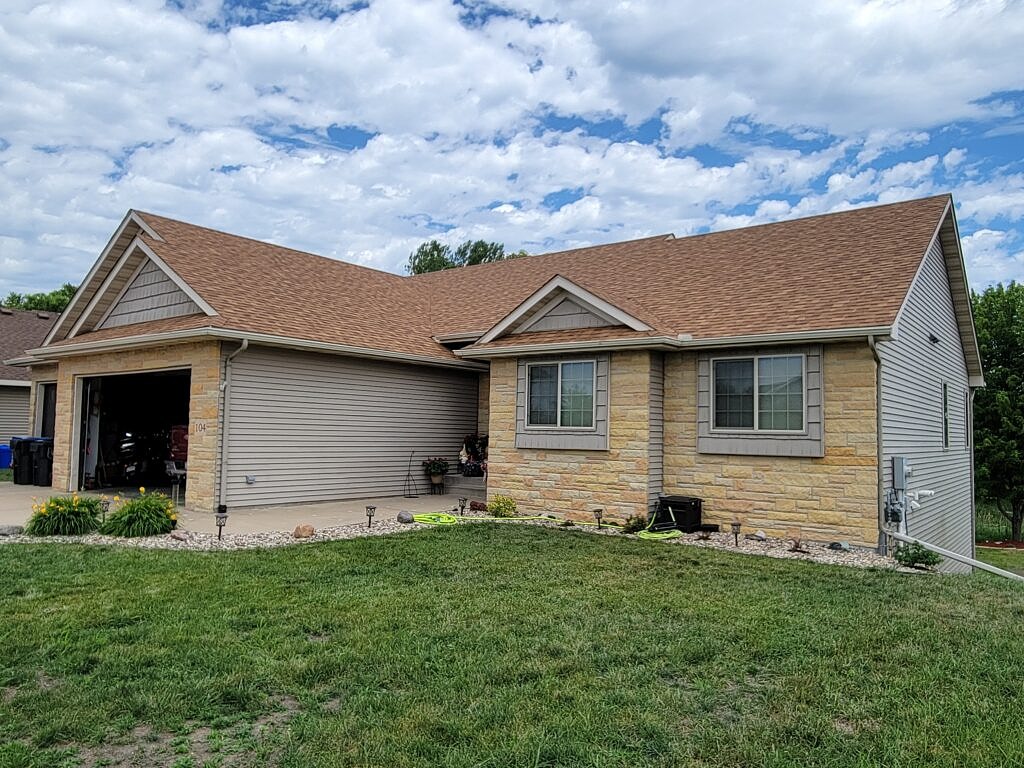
pixel 434 256
pixel 999 407
pixel 54 301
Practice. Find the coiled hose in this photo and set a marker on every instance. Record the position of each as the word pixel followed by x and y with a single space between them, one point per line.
pixel 443 518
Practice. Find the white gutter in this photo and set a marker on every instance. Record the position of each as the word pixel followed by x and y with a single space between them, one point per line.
pixel 883 544
pixel 225 389
pixel 683 341
pixel 958 557
pixel 270 340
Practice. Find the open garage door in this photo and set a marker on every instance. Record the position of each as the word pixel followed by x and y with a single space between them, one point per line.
pixel 132 426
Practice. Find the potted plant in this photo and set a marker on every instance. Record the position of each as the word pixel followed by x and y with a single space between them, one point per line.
pixel 436 468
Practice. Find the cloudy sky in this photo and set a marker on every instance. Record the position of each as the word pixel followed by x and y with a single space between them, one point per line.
pixel 360 129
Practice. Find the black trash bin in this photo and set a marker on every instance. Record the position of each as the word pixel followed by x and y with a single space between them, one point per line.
pixel 42 461
pixel 21 460
pixel 681 513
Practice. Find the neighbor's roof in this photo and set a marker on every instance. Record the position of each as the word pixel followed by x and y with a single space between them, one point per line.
pixel 836 271
pixel 20 330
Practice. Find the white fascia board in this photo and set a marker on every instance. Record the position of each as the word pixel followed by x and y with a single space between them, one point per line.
pixel 456 338
pixel 15 383
pixel 104 286
pixel 651 342
pixel 590 301
pixel 129 218
pixel 834 335
pixel 177 280
pixel 269 340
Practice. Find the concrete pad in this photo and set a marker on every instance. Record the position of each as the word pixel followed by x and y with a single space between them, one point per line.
pixel 16 506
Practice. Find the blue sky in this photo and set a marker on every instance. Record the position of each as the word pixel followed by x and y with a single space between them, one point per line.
pixel 360 129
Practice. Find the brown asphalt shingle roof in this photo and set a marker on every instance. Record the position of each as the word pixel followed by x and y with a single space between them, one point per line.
pixel 843 270
pixel 21 330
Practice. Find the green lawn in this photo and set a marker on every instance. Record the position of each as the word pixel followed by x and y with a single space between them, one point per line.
pixel 1007 559
pixel 6 475
pixel 495 645
pixel 989 525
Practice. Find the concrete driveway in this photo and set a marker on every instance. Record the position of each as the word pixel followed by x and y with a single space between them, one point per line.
pixel 16 506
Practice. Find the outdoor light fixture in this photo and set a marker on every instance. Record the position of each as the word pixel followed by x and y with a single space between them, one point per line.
pixel 370 509
pixel 105 506
pixel 463 501
pixel 735 526
pixel 598 514
pixel 222 518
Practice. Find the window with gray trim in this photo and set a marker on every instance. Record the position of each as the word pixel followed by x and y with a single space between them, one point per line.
pixel 761 393
pixel 750 405
pixel 562 403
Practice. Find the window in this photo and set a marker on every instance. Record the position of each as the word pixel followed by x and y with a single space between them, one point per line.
pixel 770 401
pixel 945 415
pixel 561 395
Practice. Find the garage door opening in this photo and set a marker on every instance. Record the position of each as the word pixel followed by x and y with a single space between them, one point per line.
pixel 134 430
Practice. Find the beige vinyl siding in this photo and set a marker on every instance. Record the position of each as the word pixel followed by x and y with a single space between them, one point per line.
pixel 656 426
pixel 311 427
pixel 13 413
pixel 913 372
pixel 565 315
pixel 152 295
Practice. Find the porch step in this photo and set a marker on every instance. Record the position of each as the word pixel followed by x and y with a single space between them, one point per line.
pixel 473 487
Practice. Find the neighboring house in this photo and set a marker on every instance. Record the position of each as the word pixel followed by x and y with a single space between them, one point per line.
pixel 19 330
pixel 773 371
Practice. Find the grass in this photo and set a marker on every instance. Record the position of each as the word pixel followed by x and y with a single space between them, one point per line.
pixel 6 475
pixel 499 646
pixel 1007 559
pixel 989 524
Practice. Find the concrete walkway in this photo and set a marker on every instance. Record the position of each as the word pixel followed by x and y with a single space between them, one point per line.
pixel 16 506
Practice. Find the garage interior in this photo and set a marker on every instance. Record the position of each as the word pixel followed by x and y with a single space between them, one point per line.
pixel 134 430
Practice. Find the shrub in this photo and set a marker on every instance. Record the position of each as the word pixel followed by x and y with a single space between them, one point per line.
pixel 502 506
pixel 916 556
pixel 635 524
pixel 64 516
pixel 149 515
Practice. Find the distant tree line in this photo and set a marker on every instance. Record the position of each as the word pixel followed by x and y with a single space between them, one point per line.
pixel 54 301
pixel 434 256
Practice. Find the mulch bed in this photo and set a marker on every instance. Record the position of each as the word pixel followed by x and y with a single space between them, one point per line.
pixel 1001 544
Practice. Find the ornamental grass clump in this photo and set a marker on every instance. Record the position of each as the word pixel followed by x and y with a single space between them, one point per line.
pixel 151 514
pixel 64 516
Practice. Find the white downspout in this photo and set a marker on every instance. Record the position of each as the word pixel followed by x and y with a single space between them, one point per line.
pixel 225 389
pixel 883 542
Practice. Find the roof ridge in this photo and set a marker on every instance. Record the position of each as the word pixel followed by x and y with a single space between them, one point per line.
pixel 267 243
pixel 827 214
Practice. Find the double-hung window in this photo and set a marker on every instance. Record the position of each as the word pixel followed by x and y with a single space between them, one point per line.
pixel 561 394
pixel 762 393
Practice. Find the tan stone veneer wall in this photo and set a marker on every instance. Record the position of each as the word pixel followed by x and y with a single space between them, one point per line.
pixel 569 482
pixel 203 358
pixel 828 498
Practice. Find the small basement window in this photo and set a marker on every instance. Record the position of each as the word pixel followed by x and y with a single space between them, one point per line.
pixel 772 400
pixel 561 395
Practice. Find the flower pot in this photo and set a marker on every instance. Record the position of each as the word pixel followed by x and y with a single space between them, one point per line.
pixel 437 479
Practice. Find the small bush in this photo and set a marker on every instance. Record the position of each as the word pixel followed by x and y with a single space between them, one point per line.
pixel 64 516
pixel 635 524
pixel 149 515
pixel 502 506
pixel 916 556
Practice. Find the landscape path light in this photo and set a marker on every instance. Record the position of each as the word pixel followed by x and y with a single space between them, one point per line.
pixel 222 518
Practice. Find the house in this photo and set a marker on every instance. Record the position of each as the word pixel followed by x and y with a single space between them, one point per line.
pixel 773 371
pixel 19 330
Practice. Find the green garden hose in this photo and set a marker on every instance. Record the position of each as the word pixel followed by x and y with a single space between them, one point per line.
pixel 443 518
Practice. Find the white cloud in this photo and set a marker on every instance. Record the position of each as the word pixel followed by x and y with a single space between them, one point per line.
pixel 190 115
pixel 993 256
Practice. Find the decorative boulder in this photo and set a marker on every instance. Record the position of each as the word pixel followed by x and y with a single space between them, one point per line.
pixel 11 530
pixel 477 506
pixel 303 531
pixel 840 546
pixel 405 516
pixel 757 536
